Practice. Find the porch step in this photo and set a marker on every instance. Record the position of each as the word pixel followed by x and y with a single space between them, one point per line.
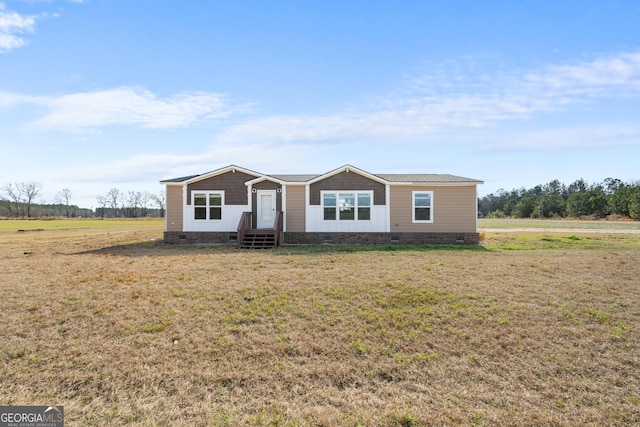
pixel 258 241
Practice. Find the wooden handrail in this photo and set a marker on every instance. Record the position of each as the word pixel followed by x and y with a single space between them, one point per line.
pixel 243 226
pixel 278 227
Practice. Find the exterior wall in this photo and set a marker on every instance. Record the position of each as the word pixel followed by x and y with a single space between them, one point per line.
pixel 232 183
pixel 454 209
pixel 295 210
pixel 173 220
pixel 347 181
pixel 235 202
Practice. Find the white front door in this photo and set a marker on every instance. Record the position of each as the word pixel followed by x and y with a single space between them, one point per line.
pixel 266 208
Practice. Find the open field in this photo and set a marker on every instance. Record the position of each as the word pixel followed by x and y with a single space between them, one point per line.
pixel 10 225
pixel 121 329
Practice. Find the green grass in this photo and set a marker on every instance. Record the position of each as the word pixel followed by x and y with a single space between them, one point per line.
pixel 560 241
pixel 14 225
pixel 487 223
pixel 338 248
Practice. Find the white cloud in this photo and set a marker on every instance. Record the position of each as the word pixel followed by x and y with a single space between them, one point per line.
pixel 125 106
pixel 12 26
pixel 432 107
pixel 594 78
pixel 425 110
pixel 262 157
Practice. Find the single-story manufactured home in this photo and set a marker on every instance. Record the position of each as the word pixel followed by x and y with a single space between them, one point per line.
pixel 346 205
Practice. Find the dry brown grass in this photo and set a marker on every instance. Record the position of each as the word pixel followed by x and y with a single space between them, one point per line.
pixel 124 330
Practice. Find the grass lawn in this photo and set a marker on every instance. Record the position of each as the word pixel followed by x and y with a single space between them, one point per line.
pixel 488 223
pixel 11 225
pixel 528 329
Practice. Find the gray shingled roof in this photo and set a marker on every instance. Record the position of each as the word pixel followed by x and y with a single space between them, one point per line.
pixel 181 179
pixel 424 177
pixel 294 178
pixel 390 177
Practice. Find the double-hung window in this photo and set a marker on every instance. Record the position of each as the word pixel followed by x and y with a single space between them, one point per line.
pixel 422 206
pixel 207 206
pixel 346 206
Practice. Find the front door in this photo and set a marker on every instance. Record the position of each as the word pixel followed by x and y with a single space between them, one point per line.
pixel 266 208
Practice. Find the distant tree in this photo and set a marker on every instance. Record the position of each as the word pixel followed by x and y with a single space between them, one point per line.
pixel 13 195
pixel 113 197
pixel 548 206
pixel 30 191
pixel 578 204
pixel 634 202
pixel 555 187
pixel 6 204
pixel 611 185
pixel 588 202
pixel 579 199
pixel 160 201
pixel 64 198
pixel 102 202
pixel 525 207
pixel 579 185
pixel 145 198
pixel 598 201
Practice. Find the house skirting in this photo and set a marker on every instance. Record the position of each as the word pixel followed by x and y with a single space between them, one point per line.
pixel 204 237
pixel 301 238
pixel 381 238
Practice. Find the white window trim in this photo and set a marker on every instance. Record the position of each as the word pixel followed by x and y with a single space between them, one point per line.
pixel 207 206
pixel 413 207
pixel 355 194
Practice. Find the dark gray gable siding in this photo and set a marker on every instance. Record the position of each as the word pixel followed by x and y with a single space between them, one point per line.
pixel 232 183
pixel 347 181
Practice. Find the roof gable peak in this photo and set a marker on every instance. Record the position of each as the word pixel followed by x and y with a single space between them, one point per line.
pixel 347 168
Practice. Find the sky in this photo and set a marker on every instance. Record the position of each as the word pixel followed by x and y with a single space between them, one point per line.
pixel 101 94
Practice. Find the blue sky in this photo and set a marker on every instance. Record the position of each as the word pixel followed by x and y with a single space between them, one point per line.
pixel 96 94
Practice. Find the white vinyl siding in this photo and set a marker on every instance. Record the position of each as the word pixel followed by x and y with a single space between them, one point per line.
pixel 208 212
pixel 347 205
pixel 347 211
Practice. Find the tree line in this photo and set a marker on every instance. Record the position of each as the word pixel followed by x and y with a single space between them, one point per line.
pixel 18 200
pixel 130 204
pixel 555 199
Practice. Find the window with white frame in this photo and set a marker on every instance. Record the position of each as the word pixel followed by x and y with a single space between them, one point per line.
pixel 422 206
pixel 207 206
pixel 347 205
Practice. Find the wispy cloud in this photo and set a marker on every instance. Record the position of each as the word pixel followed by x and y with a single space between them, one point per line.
pixel 125 106
pixel 601 77
pixel 467 111
pixel 607 135
pixel 433 106
pixel 259 156
pixel 424 110
pixel 12 28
